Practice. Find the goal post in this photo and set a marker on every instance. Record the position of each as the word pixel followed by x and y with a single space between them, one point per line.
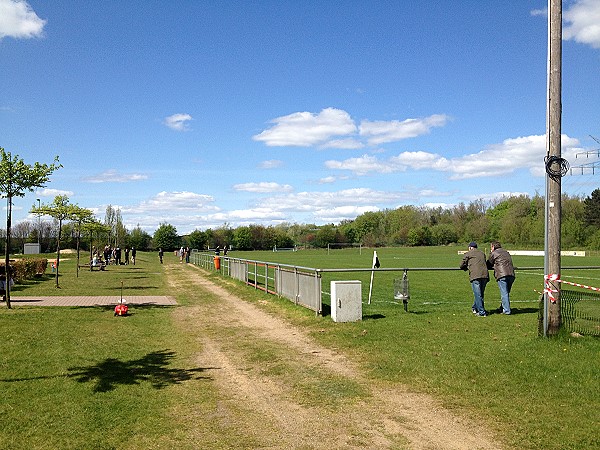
pixel 344 245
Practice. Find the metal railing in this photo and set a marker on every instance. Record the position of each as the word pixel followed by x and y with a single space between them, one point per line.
pixel 301 285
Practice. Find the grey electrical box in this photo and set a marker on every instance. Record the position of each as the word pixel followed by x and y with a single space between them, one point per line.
pixel 31 249
pixel 346 301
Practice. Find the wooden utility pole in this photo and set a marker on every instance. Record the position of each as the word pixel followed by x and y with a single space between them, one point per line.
pixel 553 166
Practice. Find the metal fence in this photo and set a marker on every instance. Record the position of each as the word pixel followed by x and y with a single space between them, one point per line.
pixel 580 312
pixel 301 285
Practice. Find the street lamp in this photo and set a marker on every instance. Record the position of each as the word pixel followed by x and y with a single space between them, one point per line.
pixel 39 226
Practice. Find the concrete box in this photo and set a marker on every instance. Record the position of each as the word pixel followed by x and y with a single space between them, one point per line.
pixel 346 301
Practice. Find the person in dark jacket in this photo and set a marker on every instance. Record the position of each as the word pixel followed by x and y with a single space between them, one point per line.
pixel 474 262
pixel 504 272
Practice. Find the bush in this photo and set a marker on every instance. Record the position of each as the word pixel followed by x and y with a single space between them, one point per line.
pixel 24 269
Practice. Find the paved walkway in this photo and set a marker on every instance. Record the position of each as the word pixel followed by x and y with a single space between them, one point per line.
pixel 103 300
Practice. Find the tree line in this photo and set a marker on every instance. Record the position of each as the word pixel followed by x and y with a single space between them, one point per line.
pixel 511 220
pixel 518 221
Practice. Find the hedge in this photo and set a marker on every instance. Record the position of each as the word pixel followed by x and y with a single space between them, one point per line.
pixel 24 269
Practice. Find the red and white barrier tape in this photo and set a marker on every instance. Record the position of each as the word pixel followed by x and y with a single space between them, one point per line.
pixel 549 288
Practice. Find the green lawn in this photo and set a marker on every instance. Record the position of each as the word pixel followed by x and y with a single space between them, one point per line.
pixel 75 376
pixel 539 393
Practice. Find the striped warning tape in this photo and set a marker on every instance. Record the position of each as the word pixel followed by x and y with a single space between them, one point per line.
pixel 549 287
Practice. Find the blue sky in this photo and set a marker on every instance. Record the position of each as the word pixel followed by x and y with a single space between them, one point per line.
pixel 205 113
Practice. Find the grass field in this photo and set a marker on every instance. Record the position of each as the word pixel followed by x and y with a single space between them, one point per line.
pixel 75 376
pixel 540 393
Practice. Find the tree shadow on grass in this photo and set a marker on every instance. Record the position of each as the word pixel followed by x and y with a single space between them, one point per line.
pixel 132 306
pixel 132 288
pixel 153 368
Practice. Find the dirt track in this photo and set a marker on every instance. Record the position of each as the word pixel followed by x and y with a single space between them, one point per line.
pixel 382 416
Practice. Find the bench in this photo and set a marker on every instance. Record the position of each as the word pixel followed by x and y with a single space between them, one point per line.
pixel 99 266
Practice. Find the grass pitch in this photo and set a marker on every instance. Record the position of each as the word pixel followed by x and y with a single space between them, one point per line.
pixel 75 376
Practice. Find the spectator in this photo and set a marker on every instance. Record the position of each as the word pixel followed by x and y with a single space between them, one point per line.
pixel 474 262
pixel 504 272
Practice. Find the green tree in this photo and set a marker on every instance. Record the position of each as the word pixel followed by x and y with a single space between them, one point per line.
pixel 80 217
pixel 327 234
pixel 419 236
pixel 139 239
pixel 114 221
pixel 17 178
pixel 223 236
pixel 166 237
pixel 399 222
pixel 280 238
pixel 346 229
pixel 242 238
pixel 259 237
pixel 592 208
pixel 95 228
pixel 197 240
pixel 574 232
pixel 61 210
pixel 443 234
pixel 369 228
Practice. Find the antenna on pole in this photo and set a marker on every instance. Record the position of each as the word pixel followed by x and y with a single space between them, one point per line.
pixel 588 167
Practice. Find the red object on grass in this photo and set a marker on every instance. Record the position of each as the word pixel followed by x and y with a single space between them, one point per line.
pixel 121 310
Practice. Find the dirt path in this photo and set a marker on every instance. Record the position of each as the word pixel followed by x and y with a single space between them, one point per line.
pixel 258 393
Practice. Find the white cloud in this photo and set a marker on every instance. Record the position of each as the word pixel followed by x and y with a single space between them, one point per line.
pixel 511 154
pixel 305 129
pixel 18 20
pixel 363 165
pixel 433 193
pixel 334 128
pixel 270 164
pixel 53 193
pixel 419 160
pixel 583 18
pixel 188 211
pixel 495 160
pixel 312 201
pixel 255 214
pixel 327 180
pixel 349 144
pixel 540 12
pixel 178 122
pixel 165 203
pixel 337 214
pixel 493 196
pixel 381 132
pixel 263 187
pixel 112 176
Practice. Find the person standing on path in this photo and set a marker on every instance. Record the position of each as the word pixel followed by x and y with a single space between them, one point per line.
pixel 504 272
pixel 160 254
pixel 474 262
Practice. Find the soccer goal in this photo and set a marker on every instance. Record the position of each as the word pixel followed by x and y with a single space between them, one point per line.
pixel 344 246
pixel 285 249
